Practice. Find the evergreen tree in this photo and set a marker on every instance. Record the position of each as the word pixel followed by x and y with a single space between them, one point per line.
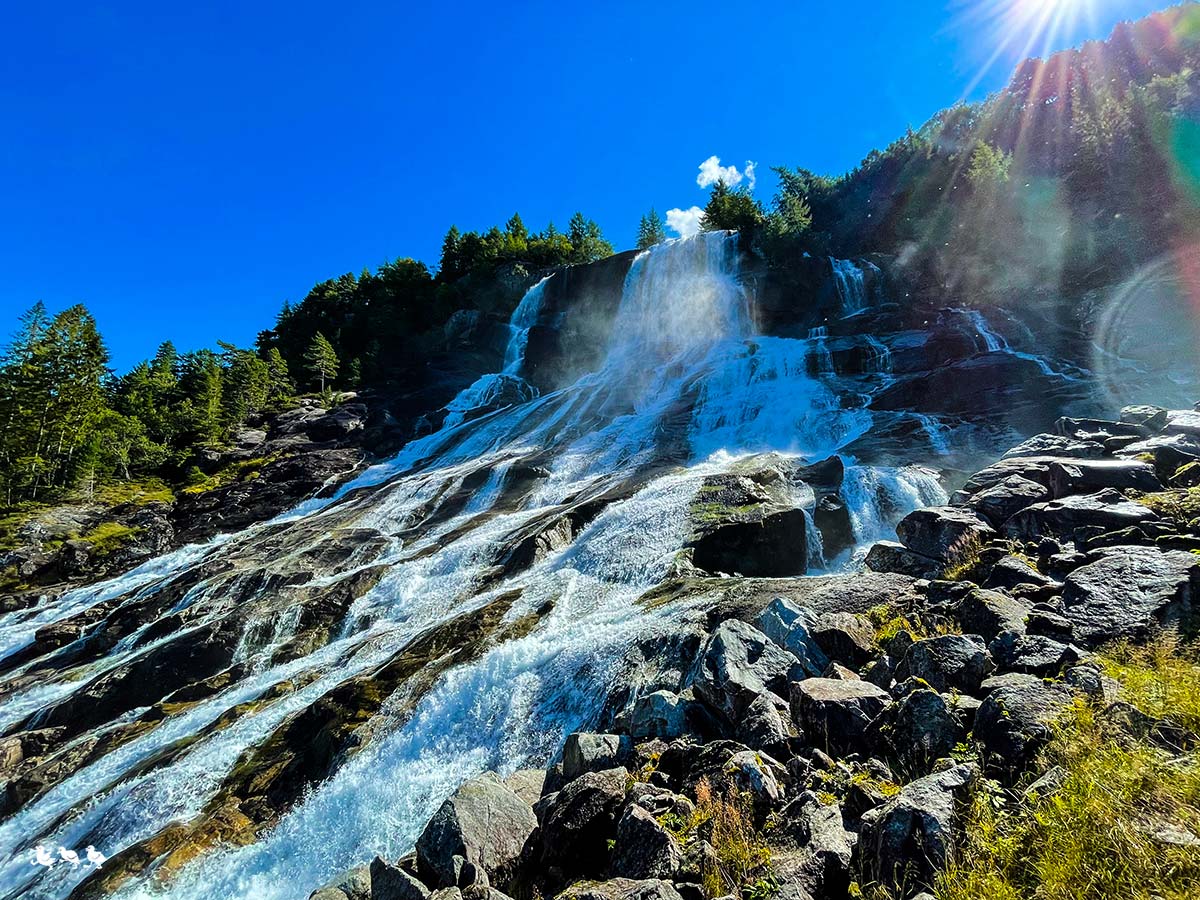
pixel 731 210
pixel 322 360
pixel 651 230
pixel 587 242
pixel 451 266
pixel 279 382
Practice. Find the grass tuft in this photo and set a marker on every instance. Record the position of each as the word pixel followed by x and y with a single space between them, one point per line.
pixel 1100 834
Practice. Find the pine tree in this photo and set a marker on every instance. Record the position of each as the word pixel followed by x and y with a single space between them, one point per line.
pixel 451 265
pixel 587 242
pixel 279 382
pixel 322 360
pixel 651 230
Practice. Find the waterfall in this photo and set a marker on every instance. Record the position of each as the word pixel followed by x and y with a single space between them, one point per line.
pixel 685 389
pixel 995 342
pixel 850 283
pixel 936 431
pixel 820 360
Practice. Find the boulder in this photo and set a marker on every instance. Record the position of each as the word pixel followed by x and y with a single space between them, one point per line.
pixel 916 730
pixel 744 525
pixel 939 532
pixel 578 824
pixel 1129 592
pixel 736 664
pixel 752 776
pixel 1108 510
pixel 388 882
pixel 484 823
pixel 1033 654
pixel 1152 418
pixel 791 627
pixel 584 752
pixel 643 848
pixel 1183 421
pixel 1169 451
pixel 352 885
pixel 762 727
pixel 621 889
pixel 661 714
pixel 1002 501
pixel 1056 445
pixel 1013 723
pixel 908 839
pixel 1088 476
pixel 889 556
pixel 949 662
pixel 988 613
pixel 1012 571
pixel 846 638
pixel 527 784
pixel 811 847
pixel 834 715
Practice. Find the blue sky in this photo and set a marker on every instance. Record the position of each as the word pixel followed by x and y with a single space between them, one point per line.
pixel 182 169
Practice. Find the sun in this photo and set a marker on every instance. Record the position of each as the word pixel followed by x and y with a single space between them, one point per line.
pixel 1020 29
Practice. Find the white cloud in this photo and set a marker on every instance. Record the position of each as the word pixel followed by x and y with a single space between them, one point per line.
pixel 686 222
pixel 711 171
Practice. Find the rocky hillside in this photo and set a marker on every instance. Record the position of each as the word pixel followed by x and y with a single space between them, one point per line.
pixel 827 738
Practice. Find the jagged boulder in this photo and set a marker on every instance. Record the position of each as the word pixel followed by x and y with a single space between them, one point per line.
pixel 390 882
pixel 662 714
pixel 846 638
pixel 1089 476
pixel 948 662
pixel 584 752
pixel 1002 501
pixel 736 664
pixel 743 524
pixel 941 531
pixel 485 824
pixel 1108 509
pixel 1129 592
pixel 580 821
pixel 762 727
pixel 834 715
pixel 791 627
pixel 1013 723
pixel 352 885
pixel 643 848
pixel 889 556
pixel 988 613
pixel 621 889
pixel 811 848
pixel 917 729
pixel 908 839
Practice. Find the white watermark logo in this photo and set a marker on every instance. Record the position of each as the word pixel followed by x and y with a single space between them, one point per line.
pixel 44 857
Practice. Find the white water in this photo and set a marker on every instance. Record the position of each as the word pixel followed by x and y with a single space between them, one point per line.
pixel 687 388
pixel 850 282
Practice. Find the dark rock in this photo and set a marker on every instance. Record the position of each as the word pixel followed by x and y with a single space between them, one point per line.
pixel 1000 502
pixel 744 525
pixel 390 882
pixel 1107 510
pixel 916 730
pixel 791 627
pixel 834 715
pixel 888 556
pixel 1089 476
pixel 1129 592
pixel 737 663
pixel 484 823
pixel 1056 445
pixel 527 784
pixel 584 752
pixel 661 714
pixel 1162 733
pixel 1170 452
pixel 988 613
pixel 352 885
pixel 1033 654
pixel 812 848
pixel 1013 724
pixel 940 532
pixel 643 848
pixel 846 638
pixel 949 662
pixel 762 727
pixel 908 840
pixel 621 889
pixel 582 819
pixel 1152 418
pixel 1011 571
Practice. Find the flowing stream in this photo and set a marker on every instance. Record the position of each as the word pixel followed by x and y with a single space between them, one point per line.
pixel 686 390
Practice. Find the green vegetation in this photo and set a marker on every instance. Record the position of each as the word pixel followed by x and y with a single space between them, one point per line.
pixel 322 361
pixel 1105 831
pixel 651 230
pixel 1180 506
pixel 742 859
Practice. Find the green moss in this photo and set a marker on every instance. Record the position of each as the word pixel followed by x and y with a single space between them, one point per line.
pixel 138 492
pixel 1180 506
pixel 109 536
pixel 244 470
pixel 1091 839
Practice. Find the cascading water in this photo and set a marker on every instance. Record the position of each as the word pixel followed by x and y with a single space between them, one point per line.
pixel 686 389
pixel 849 280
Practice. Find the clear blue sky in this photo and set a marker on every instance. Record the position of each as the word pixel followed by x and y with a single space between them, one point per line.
pixel 184 168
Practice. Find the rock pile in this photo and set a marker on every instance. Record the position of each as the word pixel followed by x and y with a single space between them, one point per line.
pixel 812 746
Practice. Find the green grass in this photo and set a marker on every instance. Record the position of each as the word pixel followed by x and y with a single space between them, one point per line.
pixel 139 491
pixel 1090 839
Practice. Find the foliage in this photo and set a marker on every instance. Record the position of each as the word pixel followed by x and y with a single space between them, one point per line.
pixel 1093 837
pixel 322 361
pixel 989 167
pixel 1180 506
pixel 732 209
pixel 741 855
pixel 651 230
